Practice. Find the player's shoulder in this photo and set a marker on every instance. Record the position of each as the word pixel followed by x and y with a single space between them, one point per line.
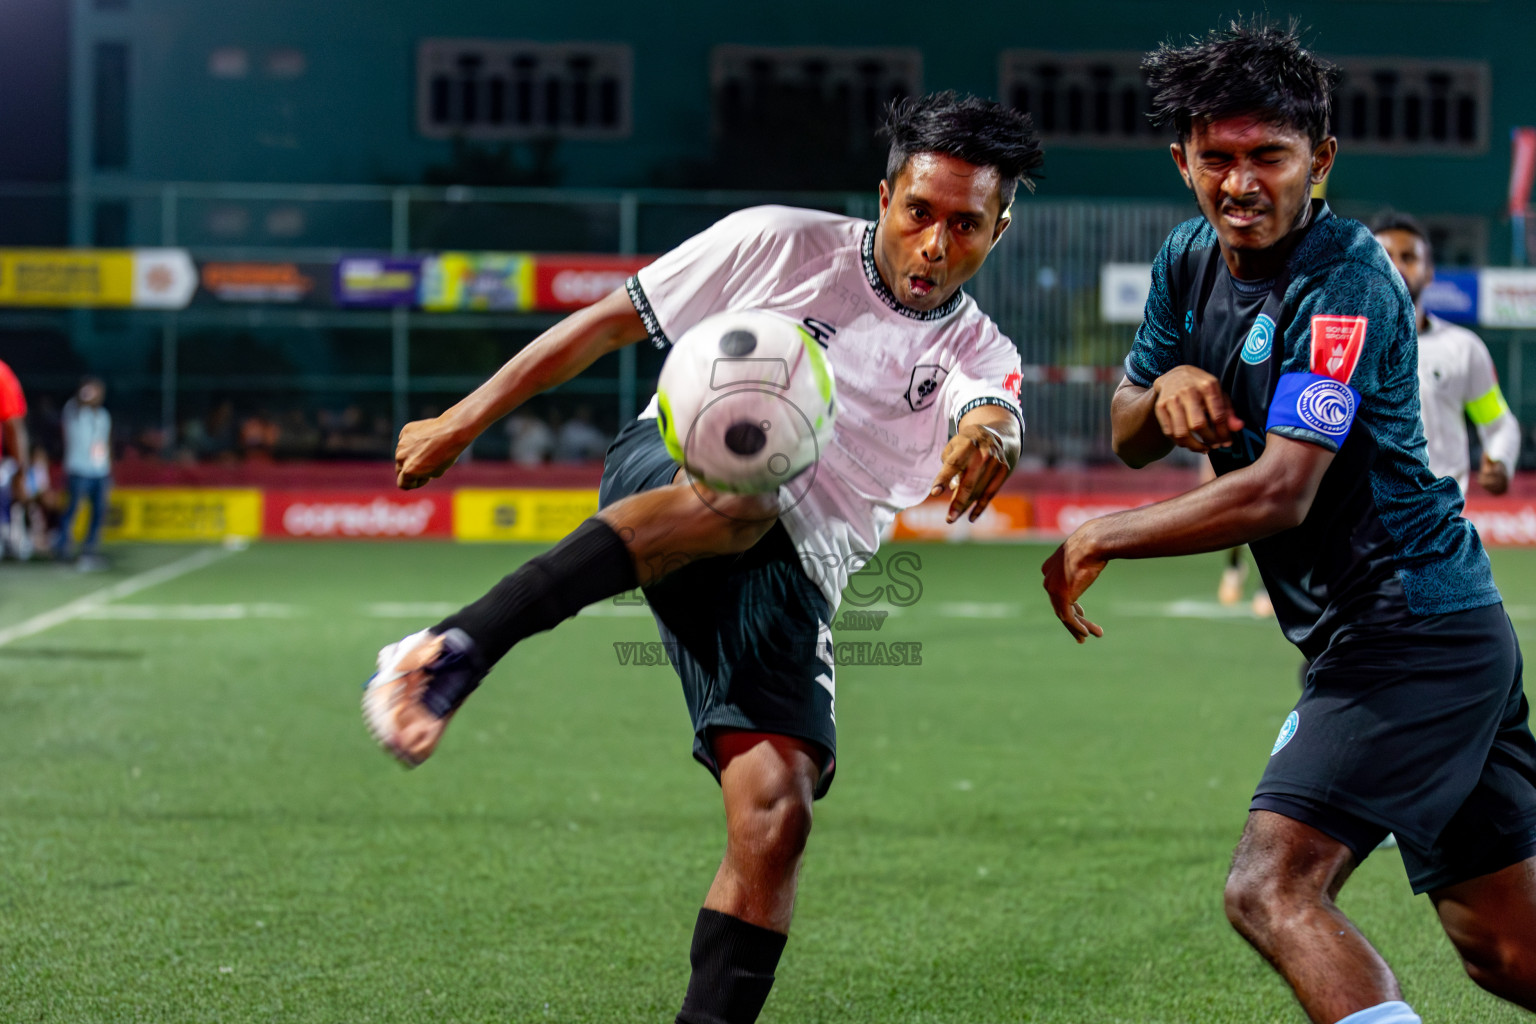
pixel 972 322
pixel 1192 236
pixel 1341 254
pixel 1177 265
pixel 815 228
pixel 1443 331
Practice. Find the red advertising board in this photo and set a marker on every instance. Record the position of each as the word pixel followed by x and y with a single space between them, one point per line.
pixel 1503 522
pixel 1006 518
pixel 571 282
pixel 384 515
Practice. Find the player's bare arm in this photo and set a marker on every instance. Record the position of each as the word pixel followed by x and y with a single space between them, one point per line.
pixel 428 447
pixel 1248 504
pixel 1184 407
pixel 978 459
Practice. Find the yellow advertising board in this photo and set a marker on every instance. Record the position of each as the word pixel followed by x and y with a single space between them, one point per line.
pixel 182 514
pixel 519 515
pixel 66 277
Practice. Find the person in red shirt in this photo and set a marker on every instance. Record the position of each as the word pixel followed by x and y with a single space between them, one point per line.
pixel 13 430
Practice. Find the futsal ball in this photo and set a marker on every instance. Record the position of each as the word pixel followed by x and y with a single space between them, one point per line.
pixel 746 401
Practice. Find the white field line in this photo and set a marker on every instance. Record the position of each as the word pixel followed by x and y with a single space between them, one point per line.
pixel 191 612
pixel 1190 609
pixel 80 607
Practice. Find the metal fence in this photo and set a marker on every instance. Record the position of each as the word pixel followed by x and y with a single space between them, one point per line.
pixel 168 370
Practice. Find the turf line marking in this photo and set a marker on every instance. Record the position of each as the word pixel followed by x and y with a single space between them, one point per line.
pixel 90 602
pixel 1191 609
pixel 190 612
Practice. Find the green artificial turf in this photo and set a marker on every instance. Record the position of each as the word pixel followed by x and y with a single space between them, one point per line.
pixel 194 825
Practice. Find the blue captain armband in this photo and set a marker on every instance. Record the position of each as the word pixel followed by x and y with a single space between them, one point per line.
pixel 1315 407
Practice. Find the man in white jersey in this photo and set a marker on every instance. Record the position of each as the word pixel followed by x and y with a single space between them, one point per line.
pixel 744 587
pixel 1456 377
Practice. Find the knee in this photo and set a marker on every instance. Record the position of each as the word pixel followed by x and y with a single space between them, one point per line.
pixel 1259 899
pixel 1495 960
pixel 776 825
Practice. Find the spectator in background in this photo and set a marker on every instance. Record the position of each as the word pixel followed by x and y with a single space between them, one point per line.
pixel 88 468
pixel 579 440
pixel 46 504
pixel 531 442
pixel 1456 377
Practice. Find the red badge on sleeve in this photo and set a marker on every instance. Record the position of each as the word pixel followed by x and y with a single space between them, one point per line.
pixel 1012 383
pixel 1336 345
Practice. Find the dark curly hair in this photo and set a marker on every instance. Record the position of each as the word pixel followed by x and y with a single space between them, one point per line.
pixel 1395 220
pixel 978 131
pixel 1254 68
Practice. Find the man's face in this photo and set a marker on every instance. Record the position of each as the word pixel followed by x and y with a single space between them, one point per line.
pixel 1252 179
pixel 938 221
pixel 1410 255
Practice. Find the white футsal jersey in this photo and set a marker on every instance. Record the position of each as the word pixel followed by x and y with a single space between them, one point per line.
pixel 1457 381
pixel 903 376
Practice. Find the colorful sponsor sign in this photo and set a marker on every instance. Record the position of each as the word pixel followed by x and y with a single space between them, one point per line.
pixel 1336 345
pixel 374 282
pixel 163 278
pixel 571 282
pixel 1507 298
pixel 520 515
pixel 477 282
pixel 143 278
pixel 66 277
pixel 277 283
pixel 358 514
pixel 1008 517
pixel 1452 296
pixel 182 514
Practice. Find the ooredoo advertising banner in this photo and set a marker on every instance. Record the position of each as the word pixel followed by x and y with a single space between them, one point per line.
pixel 361 515
pixel 571 282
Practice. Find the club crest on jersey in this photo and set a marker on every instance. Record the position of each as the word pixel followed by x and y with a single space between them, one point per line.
pixel 1287 732
pixel 924 389
pixel 1336 345
pixel 1327 406
pixel 1013 383
pixel 1261 336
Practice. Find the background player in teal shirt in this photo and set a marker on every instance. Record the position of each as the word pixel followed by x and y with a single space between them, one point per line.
pixel 1279 339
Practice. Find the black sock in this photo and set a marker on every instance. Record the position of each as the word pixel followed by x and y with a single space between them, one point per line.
pixel 733 962
pixel 591 563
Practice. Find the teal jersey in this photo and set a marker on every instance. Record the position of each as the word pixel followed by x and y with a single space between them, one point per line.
pixel 1326 354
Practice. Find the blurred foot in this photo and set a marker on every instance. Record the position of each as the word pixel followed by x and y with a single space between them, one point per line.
pixel 92 563
pixel 1230 591
pixel 420 683
pixel 1263 607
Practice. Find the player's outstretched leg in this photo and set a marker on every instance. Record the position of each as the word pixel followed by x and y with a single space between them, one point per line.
pixel 1280 896
pixel 1492 923
pixel 768 782
pixel 635 541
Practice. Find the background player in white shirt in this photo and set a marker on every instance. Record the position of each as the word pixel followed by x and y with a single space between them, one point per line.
pixel 744 587
pixel 1456 376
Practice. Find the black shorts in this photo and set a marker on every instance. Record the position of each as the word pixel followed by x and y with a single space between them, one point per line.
pixel 750 635
pixel 1419 729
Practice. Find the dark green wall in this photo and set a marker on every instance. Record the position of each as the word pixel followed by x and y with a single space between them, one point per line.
pixel 350 117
